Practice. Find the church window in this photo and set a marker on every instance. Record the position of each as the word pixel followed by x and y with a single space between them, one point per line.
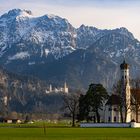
pixel 115 109
pixel 115 119
pixel 109 119
pixel 109 109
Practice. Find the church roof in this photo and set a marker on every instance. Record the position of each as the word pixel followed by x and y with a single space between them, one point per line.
pixel 135 92
pixel 113 100
pixel 124 65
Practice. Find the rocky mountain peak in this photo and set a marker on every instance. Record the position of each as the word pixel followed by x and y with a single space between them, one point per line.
pixel 52 22
pixel 124 31
pixel 17 12
pixel 84 27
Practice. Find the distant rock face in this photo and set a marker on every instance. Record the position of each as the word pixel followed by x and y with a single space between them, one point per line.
pixel 25 94
pixel 52 49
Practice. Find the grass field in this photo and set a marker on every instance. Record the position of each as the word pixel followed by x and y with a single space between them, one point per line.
pixel 70 134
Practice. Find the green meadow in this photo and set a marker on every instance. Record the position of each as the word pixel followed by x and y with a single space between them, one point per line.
pixel 69 133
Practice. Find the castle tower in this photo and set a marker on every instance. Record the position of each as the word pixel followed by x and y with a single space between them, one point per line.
pixel 50 88
pixel 125 92
pixel 66 90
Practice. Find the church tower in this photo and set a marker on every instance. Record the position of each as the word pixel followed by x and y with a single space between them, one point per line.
pixel 66 90
pixel 125 92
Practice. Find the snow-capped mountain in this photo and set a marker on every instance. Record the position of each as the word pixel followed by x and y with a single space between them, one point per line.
pixel 39 45
pixel 99 63
pixel 25 36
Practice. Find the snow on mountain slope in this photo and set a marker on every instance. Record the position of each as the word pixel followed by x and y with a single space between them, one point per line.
pixel 48 36
pixel 50 48
pixel 26 32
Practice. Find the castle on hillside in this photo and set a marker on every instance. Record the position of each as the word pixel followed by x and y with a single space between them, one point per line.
pixel 119 107
pixel 64 89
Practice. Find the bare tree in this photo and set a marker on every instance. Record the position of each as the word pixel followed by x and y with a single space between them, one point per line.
pixel 135 96
pixel 134 105
pixel 124 105
pixel 71 103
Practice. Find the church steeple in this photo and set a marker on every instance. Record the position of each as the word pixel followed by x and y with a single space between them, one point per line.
pixel 124 73
pixel 125 91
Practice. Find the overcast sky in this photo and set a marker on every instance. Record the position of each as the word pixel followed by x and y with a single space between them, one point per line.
pixel 104 14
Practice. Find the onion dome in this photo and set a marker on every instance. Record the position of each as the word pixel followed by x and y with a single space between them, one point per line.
pixel 124 65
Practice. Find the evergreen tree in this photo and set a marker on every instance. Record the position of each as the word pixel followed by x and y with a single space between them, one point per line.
pixel 92 102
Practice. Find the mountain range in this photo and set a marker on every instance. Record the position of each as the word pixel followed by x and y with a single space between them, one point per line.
pixel 50 48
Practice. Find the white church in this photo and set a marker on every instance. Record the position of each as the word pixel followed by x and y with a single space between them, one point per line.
pixel 118 108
